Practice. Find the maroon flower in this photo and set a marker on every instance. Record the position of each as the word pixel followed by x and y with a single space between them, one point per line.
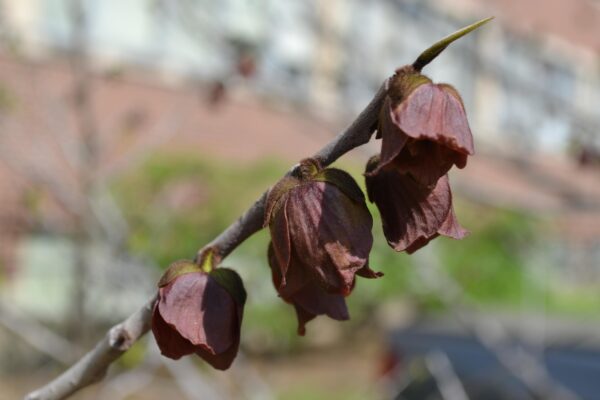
pixel 199 312
pixel 424 131
pixel 423 126
pixel 319 223
pixel 412 214
pixel 304 293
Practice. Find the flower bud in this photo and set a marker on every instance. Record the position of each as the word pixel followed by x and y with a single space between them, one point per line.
pixel 319 222
pixel 199 310
pixel 423 126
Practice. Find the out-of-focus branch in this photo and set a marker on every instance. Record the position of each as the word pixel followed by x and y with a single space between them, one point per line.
pixel 92 367
pixel 37 335
pixel 189 382
pixel 492 334
pixel 445 376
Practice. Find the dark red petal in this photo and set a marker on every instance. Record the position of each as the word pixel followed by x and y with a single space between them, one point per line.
pixel 229 280
pixel 420 243
pixel 223 361
pixel 427 161
pixel 176 269
pixel 393 139
pixel 343 181
pixel 308 298
pixel 169 341
pixel 331 234
pixel 313 299
pixel 433 112
pixel 296 277
pixel 280 238
pixel 277 195
pixel 452 228
pixel 219 361
pixel 200 310
pixel 303 317
pixel 367 272
pixel 411 213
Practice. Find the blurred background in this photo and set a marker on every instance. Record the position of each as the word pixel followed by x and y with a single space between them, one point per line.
pixel 133 132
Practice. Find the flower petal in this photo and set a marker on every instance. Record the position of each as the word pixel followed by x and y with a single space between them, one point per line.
pixel 220 361
pixel 393 139
pixel 426 133
pixel 296 277
pixel 277 195
pixel 411 213
pixel 343 181
pixel 452 228
pixel 367 272
pixel 280 239
pixel 315 300
pixel 331 232
pixel 427 161
pixel 303 318
pixel 435 112
pixel 223 361
pixel 308 298
pixel 169 341
pixel 229 280
pixel 177 269
pixel 200 310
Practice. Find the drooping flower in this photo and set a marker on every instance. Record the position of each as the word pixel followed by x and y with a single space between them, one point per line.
pixel 423 126
pixel 319 223
pixel 412 214
pixel 199 312
pixel 424 132
pixel 304 293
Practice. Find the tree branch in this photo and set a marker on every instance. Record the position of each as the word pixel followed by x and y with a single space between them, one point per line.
pixel 37 335
pixel 93 366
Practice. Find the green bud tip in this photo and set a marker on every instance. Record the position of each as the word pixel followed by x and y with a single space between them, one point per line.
pixel 207 260
pixel 432 52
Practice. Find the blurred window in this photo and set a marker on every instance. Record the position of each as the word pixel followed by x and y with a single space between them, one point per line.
pixel 559 81
pixel 537 107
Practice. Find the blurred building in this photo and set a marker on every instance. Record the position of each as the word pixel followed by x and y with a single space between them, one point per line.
pixel 530 79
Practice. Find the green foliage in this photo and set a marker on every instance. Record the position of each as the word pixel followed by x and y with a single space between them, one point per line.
pixel 176 203
pixel 8 100
pixel 489 264
pixel 496 265
pixel 133 357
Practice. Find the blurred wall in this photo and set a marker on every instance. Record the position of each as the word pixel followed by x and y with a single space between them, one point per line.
pixel 530 79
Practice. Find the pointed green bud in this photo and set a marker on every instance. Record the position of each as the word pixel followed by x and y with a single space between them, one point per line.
pixel 428 55
pixel 208 259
